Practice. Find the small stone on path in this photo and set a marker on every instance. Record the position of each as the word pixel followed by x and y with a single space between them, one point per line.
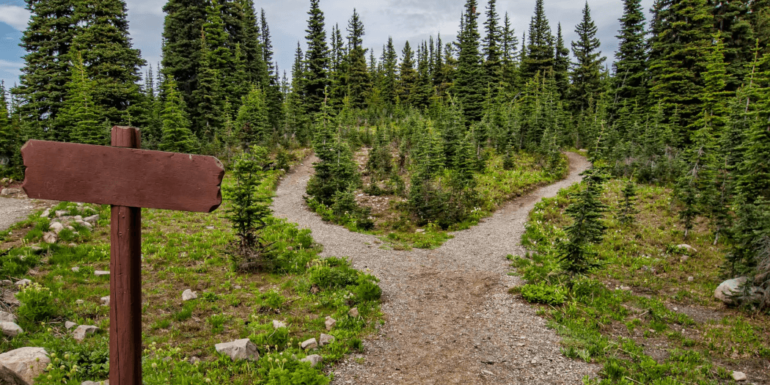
pixel 188 295
pixel 242 349
pixel 8 377
pixel 27 362
pixel 75 269
pixel 326 339
pixel 83 331
pixel 313 359
pixel 278 324
pixel 105 382
pixel 45 213
pixel 100 273
pixel 7 317
pixel 105 301
pixel 353 312
pixel 61 213
pixel 69 325
pixel 50 238
pixel 739 376
pixel 56 227
pixel 23 282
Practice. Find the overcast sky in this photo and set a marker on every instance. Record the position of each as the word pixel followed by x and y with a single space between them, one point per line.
pixel 412 20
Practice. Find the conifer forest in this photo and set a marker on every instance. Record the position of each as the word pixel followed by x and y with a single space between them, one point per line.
pixel 412 147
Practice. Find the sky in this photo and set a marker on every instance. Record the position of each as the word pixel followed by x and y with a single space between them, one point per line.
pixel 403 20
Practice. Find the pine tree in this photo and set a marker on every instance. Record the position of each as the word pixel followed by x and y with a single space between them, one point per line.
pixel 539 53
pixel 492 48
pixel 627 209
pixel 82 116
pixel 359 82
pixel 561 64
pixel 407 74
pixel 177 136
pixel 629 81
pixel 208 94
pixel 510 56
pixel 253 121
pixel 754 172
pixel 469 80
pixel 586 81
pixel 44 77
pixel 253 54
pixel 390 74
pixel 317 62
pixel 732 19
pixel 423 89
pixel 271 85
pixel 577 256
pixel 8 135
pixel 181 42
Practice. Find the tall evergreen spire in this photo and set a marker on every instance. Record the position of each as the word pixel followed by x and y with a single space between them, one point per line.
pixel 586 77
pixel 181 42
pixel 540 50
pixel 316 76
pixel 82 118
pixel 630 67
pixel 389 77
pixel 561 64
pixel 492 46
pixel 469 80
pixel 359 81
pixel 407 74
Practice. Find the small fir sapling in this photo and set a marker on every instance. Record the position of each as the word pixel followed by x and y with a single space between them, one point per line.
pixel 577 256
pixel 627 207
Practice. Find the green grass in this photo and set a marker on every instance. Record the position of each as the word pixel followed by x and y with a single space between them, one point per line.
pixel 181 251
pixel 616 314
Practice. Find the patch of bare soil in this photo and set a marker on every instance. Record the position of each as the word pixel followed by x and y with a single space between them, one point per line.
pixel 449 317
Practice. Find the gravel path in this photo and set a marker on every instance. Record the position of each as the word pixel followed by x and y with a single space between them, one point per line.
pixel 13 210
pixel 449 318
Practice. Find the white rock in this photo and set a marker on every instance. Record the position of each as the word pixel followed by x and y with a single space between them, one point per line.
pixel 82 331
pixel 69 325
pixel 105 382
pixel 330 323
pixel 61 213
pixel 239 350
pixel 690 279
pixel 23 282
pixel 75 269
pixel 80 302
pixel 278 324
pixel 309 344
pixel 45 213
pixel 78 218
pixel 739 376
pixel 100 273
pixel 8 191
pixel 92 219
pixel 10 329
pixel 353 312
pixel 8 377
pixel 56 227
pixel 27 362
pixel 105 301
pixel 188 295
pixel 687 247
pixel 6 282
pixel 313 359
pixel 50 237
pixel 325 339
pixel 7 317
pixel 684 259
pixel 728 288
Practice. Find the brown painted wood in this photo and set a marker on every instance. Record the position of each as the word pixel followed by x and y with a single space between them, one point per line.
pixel 126 282
pixel 122 176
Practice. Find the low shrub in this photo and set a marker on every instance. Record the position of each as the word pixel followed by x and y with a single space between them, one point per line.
pixel 544 293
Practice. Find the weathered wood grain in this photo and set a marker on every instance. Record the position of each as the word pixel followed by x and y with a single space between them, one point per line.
pixel 125 282
pixel 122 176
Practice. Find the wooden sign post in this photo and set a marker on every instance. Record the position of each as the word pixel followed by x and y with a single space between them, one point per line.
pixel 128 179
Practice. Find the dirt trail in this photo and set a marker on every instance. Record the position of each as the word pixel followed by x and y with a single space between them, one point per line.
pixel 449 318
pixel 12 211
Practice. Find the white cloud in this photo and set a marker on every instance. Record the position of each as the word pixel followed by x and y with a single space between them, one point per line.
pixel 15 16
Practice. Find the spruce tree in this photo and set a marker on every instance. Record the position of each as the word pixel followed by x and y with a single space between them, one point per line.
pixel 83 118
pixel 577 256
pixel 253 54
pixel 8 135
pixel 732 19
pixel 177 136
pixel 629 81
pixel 423 89
pixel 407 74
pixel 586 80
pixel 390 74
pixel 754 171
pixel 492 48
pixel 627 206
pixel 561 64
pixel 271 86
pixel 469 79
pixel 359 81
pixel 208 95
pixel 44 77
pixel 510 56
pixel 181 42
pixel 253 121
pixel 539 53
pixel 317 60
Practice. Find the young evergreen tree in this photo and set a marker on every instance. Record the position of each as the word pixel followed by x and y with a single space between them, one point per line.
pixel 539 53
pixel 253 121
pixel 469 79
pixel 586 77
pixel 629 82
pixel 44 77
pixel 577 255
pixel 177 136
pixel 208 95
pixel 8 135
pixel 627 206
pixel 83 118
pixel 317 62
pixel 510 55
pixel 181 43
pixel 271 85
pixel 251 47
pixel 390 75
pixel 423 89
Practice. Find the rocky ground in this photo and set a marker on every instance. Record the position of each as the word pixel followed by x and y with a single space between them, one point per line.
pixel 449 317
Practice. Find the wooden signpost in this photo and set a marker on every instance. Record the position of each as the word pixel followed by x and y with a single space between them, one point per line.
pixel 128 179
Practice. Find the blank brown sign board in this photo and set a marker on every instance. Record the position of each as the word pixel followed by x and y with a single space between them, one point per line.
pixel 121 176
pixel 128 179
